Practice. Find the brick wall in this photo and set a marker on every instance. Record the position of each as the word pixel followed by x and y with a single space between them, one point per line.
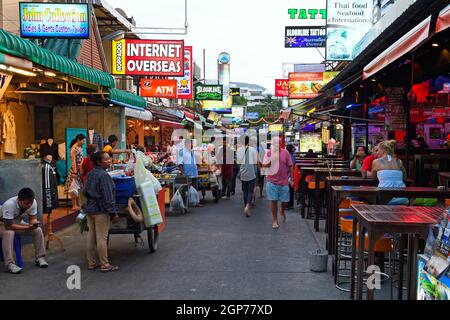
pixel 90 52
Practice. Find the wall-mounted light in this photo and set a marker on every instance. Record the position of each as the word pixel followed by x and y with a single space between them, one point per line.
pixel 435 45
pixel 22 85
pixel 50 74
pixel 59 86
pixel 374 80
pixel 147 128
pixel 84 100
pixel 17 70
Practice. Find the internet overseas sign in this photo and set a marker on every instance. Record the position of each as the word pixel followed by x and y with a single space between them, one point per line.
pixel 347 22
pixel 148 57
pixel 54 20
pixel 305 37
pixel 208 92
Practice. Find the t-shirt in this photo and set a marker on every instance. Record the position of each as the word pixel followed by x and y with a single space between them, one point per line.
pixel 367 164
pixel 108 149
pixel 186 158
pixel 247 159
pixel 10 212
pixel 279 175
pixel 88 166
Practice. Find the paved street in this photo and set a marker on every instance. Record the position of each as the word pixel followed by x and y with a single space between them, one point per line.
pixel 210 253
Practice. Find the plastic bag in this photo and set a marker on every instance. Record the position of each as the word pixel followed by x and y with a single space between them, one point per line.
pixel 213 181
pixel 75 188
pixel 150 206
pixel 129 169
pixel 177 203
pixel 142 175
pixel 193 197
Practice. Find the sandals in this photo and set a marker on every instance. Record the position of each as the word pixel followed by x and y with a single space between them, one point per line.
pixel 109 269
pixel 94 268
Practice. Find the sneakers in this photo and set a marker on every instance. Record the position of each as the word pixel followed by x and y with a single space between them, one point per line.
pixel 14 269
pixel 41 263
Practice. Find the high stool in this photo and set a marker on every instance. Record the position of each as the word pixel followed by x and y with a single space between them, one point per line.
pixel 344 247
pixel 311 196
pixel 17 250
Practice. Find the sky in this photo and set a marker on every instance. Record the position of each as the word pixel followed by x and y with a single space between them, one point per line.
pixel 251 31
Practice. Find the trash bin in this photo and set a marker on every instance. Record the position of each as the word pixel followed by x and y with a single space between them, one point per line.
pixel 318 261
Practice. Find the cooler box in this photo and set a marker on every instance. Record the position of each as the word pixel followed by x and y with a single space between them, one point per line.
pixel 125 188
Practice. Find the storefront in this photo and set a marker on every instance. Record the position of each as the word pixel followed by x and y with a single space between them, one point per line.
pixel 158 134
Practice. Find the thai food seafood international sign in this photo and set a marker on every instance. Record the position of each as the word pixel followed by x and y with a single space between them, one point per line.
pixel 347 23
pixel 148 57
pixel 54 20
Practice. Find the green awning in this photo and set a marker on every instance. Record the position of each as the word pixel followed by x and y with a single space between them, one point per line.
pixel 126 99
pixel 19 47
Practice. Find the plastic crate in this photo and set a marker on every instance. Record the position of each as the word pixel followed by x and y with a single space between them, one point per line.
pixel 122 199
pixel 125 186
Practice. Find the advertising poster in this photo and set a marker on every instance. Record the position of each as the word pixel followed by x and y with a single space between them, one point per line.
pixel 301 67
pixel 347 23
pixel 282 88
pixel 184 84
pixel 224 80
pixel 214 117
pixel 275 127
pixel 148 57
pixel 159 88
pixel 208 92
pixel 306 85
pixel 218 106
pixel 236 112
pixel 305 37
pixel 54 20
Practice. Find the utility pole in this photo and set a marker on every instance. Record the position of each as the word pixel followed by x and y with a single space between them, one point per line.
pixel 204 65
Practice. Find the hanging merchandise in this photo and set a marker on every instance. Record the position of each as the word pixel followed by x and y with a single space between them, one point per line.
pixel 9 133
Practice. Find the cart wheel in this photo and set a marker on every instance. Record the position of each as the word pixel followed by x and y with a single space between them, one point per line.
pixel 152 236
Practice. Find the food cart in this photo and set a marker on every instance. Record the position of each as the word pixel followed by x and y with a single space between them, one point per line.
pixel 204 184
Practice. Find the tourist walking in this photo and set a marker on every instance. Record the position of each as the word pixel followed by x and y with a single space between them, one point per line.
pixel 247 158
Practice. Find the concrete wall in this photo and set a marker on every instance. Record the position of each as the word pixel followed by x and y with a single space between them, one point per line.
pixel 105 121
pixel 18 174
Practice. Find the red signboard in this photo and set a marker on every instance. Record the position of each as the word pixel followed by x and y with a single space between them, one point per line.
pixel 185 89
pixel 148 57
pixel 282 88
pixel 159 88
pixel 306 76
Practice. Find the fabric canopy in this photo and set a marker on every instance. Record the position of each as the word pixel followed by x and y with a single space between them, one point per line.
pixel 165 123
pixel 127 98
pixel 402 46
pixel 443 21
pixel 142 115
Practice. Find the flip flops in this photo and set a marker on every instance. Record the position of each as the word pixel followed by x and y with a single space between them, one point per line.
pixel 109 269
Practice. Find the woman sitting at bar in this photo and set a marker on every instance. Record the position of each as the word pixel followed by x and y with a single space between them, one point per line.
pixel 389 170
pixel 358 158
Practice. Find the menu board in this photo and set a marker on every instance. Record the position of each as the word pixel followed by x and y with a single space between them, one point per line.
pixel 311 141
pixel 395 118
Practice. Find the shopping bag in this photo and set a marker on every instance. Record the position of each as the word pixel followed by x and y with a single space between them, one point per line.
pixel 213 181
pixel 142 175
pixel 177 203
pixel 193 197
pixel 150 206
pixel 75 187
pixel 129 169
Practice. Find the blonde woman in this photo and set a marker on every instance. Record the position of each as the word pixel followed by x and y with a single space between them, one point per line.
pixel 389 170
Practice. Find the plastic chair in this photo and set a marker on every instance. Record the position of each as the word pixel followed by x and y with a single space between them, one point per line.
pixel 17 250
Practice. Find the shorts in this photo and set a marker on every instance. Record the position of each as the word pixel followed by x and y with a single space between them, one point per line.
pixel 277 193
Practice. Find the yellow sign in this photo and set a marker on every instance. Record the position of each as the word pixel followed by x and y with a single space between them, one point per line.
pixel 275 127
pixel 118 57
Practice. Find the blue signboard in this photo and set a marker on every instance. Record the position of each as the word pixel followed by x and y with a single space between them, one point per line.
pixel 54 20
pixel 305 37
pixel 252 115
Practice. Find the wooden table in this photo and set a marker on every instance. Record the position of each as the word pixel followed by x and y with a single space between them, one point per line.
pixel 376 220
pixel 386 194
pixel 320 175
pixel 444 179
pixel 339 193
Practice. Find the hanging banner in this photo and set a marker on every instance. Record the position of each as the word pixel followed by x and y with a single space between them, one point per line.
pixel 148 57
pixel 347 23
pixel 282 88
pixel 301 67
pixel 159 88
pixel 214 117
pixel 184 84
pixel 5 80
pixel 208 92
pixel 54 20
pixel 305 37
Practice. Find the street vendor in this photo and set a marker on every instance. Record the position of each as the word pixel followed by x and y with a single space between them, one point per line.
pixel 187 164
pixel 12 214
pixel 110 147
